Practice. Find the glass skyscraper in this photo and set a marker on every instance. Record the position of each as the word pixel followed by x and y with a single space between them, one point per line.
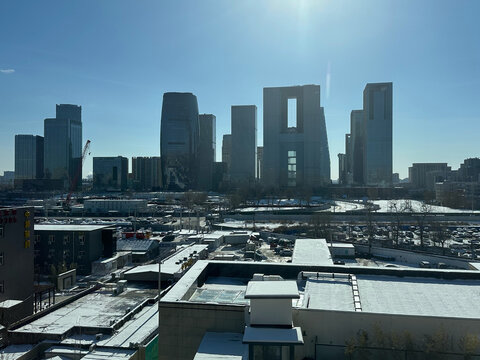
pixel 28 157
pixel 63 145
pixel 179 140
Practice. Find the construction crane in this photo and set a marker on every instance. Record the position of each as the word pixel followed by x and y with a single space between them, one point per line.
pixel 73 184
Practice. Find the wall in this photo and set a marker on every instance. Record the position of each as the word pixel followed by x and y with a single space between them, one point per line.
pixel 270 311
pixel 183 325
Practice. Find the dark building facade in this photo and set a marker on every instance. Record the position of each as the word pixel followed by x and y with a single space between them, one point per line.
pixel 243 168
pixel 425 175
pixel 295 144
pixel 28 157
pixel 147 173
pixel 179 140
pixel 66 246
pixel 227 151
pixel 110 173
pixel 207 149
pixel 377 132
pixel 63 145
pixel 16 263
pixel 356 146
pixel 469 170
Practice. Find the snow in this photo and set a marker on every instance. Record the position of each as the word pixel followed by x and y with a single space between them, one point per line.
pixel 417 207
pixel 311 252
pixel 272 290
pixel 328 293
pixel 222 346
pixel 419 296
pixel 13 352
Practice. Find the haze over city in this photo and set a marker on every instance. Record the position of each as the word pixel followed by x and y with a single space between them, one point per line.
pixel 116 59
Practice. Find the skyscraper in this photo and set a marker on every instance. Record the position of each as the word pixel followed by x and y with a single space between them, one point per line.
pixel 147 173
pixel 63 145
pixel 227 151
pixel 243 167
pixel 28 157
pixel 179 140
pixel 295 145
pixel 110 173
pixel 377 131
pixel 357 145
pixel 207 149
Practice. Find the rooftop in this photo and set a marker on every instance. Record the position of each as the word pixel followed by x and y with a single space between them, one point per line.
pixel 63 227
pixel 222 346
pixel 272 290
pixel 311 252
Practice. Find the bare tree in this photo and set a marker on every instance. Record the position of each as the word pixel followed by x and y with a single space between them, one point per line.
pixel 370 207
pixel 425 210
pixel 440 235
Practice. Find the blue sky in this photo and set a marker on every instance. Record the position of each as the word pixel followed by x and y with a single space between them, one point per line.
pixel 116 58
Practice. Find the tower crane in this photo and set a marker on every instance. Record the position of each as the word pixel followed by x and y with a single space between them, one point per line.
pixel 73 184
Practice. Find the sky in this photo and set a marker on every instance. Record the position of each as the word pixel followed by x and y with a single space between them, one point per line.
pixel 116 58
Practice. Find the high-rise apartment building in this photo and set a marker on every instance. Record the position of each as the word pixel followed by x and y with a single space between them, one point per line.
pixel 179 140
pixel 206 151
pixel 110 173
pixel 377 132
pixel 28 157
pixel 425 175
pixel 147 173
pixel 295 144
pixel 63 145
pixel 259 162
pixel 243 167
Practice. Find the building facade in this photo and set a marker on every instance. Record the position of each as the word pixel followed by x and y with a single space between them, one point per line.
pixel 147 173
pixel 227 151
pixel 357 146
pixel 425 175
pixel 377 132
pixel 110 173
pixel 179 140
pixel 243 167
pixel 207 150
pixel 63 145
pixel 71 246
pixel 16 263
pixel 294 137
pixel 28 157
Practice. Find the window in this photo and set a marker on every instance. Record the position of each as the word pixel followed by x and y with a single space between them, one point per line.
pixel 292 168
pixel 1 231
pixel 1 258
pixel 51 239
pixel 2 287
pixel 37 239
pixel 81 239
pixel 292 113
pixel 66 240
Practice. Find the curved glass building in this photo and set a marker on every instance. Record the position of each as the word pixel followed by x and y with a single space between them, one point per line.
pixel 179 140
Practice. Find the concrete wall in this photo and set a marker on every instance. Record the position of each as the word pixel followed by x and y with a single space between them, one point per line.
pixel 411 257
pixel 336 327
pixel 270 311
pixel 183 325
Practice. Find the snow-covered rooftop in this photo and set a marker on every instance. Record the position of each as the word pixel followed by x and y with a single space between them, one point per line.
pixel 272 290
pixel 266 335
pixel 68 227
pixel 311 252
pixel 222 346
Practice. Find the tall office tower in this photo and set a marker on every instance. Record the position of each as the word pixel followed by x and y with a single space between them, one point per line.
pixel 28 157
pixel 348 159
pixel 342 169
pixel 227 151
pixel 357 145
pixel 377 129
pixel 207 149
pixel 259 162
pixel 243 167
pixel 147 173
pixel 295 145
pixel 179 140
pixel 63 145
pixel 110 173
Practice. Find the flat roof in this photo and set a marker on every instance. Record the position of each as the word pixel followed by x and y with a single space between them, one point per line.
pixel 328 293
pixel 13 352
pixel 69 227
pixel 272 290
pixel 222 346
pixel 419 296
pixel 99 309
pixel 170 266
pixel 266 335
pixel 311 252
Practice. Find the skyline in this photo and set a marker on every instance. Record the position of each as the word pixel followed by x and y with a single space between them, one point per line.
pixel 116 60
